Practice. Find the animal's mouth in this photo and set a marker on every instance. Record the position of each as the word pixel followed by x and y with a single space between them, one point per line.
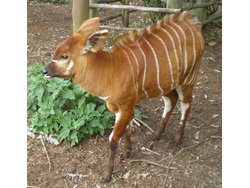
pixel 47 75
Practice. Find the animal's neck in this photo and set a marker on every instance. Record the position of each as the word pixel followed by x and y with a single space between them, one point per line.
pixel 95 74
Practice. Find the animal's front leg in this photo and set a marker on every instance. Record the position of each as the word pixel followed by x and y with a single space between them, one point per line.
pixel 122 120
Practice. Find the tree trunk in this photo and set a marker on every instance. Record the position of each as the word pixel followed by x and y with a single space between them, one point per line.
pixel 93 11
pixel 201 13
pixel 125 14
pixel 80 13
pixel 174 3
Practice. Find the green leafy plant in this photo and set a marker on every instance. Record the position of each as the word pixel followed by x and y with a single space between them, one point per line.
pixel 155 16
pixel 60 106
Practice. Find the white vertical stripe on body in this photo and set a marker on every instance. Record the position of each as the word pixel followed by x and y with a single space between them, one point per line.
pixel 169 60
pixel 145 69
pixel 157 66
pixel 194 55
pixel 132 70
pixel 185 46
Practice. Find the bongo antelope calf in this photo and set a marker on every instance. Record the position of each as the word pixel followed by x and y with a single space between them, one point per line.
pixel 160 60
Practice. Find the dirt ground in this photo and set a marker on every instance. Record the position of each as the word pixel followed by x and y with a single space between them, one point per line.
pixel 196 162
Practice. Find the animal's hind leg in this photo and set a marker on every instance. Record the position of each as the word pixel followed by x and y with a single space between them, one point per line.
pixel 169 103
pixel 185 95
pixel 127 141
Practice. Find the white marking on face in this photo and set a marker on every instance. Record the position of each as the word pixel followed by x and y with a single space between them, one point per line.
pixel 167 106
pixel 45 76
pixel 104 98
pixel 55 61
pixel 71 64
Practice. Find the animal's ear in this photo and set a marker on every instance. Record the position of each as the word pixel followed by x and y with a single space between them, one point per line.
pixel 88 27
pixel 96 41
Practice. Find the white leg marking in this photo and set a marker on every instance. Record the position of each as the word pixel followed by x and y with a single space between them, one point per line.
pixel 157 66
pixel 111 136
pixel 117 117
pixel 167 106
pixel 145 68
pixel 184 107
pixel 71 64
pixel 169 60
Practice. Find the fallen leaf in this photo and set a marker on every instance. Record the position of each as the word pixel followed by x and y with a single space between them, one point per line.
pixel 212 43
pixel 143 175
pixel 216 115
pixel 126 176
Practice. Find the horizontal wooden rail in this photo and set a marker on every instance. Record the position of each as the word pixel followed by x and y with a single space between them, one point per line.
pixel 115 28
pixel 129 7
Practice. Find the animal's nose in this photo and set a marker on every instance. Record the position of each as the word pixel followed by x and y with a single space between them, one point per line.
pixel 45 72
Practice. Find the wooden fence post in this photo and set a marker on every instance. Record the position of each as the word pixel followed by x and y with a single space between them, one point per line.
pixel 125 14
pixel 174 3
pixel 80 13
pixel 93 11
pixel 201 13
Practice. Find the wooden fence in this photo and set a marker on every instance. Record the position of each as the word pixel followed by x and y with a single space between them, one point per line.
pixel 84 9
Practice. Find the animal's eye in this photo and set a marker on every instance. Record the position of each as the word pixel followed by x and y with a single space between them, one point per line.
pixel 64 57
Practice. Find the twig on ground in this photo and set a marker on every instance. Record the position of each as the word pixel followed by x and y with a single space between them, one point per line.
pixel 216 137
pixel 75 175
pixel 143 123
pixel 182 149
pixel 152 163
pixel 46 153
pixel 143 149
pixel 207 157
pixel 136 122
pixel 30 186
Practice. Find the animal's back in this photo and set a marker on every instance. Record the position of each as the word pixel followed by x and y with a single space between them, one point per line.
pixel 165 54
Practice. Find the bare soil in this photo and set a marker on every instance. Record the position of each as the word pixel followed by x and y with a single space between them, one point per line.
pixel 197 161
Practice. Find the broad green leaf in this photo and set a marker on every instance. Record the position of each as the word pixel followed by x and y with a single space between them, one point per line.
pixel 64 134
pixel 39 92
pixel 68 94
pixel 81 101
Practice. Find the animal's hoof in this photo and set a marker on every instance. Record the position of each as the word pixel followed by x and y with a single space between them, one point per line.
pixel 105 179
pixel 125 155
pixel 178 136
pixel 157 137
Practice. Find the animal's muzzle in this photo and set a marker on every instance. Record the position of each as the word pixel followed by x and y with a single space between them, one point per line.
pixel 46 73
